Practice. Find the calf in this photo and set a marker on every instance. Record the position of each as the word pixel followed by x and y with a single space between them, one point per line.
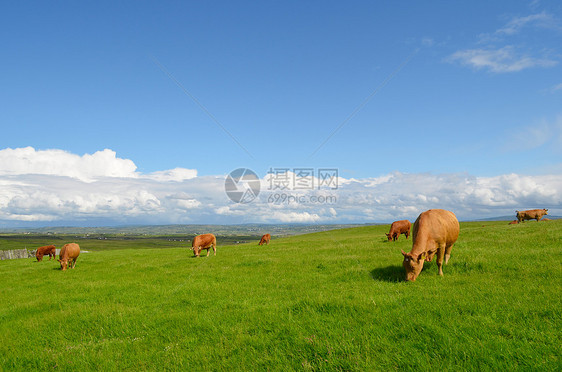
pixel 46 249
pixel 204 241
pixel 514 222
pixel 435 231
pixel 397 228
pixel 265 239
pixel 68 255
pixel 531 214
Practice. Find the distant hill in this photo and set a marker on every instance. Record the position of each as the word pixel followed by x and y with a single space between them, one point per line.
pixel 219 230
pixel 512 217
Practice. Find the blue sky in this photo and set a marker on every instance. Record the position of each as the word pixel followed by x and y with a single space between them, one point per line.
pixel 464 87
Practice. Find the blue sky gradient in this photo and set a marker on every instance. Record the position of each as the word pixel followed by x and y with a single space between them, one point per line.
pixel 460 87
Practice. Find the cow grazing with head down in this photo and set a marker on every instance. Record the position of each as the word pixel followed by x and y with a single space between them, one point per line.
pixel 514 222
pixel 51 250
pixel 68 255
pixel 531 214
pixel 204 241
pixel 265 239
pixel 397 228
pixel 435 231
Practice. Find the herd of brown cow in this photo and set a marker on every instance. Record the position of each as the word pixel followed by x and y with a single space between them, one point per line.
pixel 435 231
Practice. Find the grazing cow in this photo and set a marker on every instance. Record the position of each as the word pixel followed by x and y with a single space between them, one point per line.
pixel 265 239
pixel 397 228
pixel 51 250
pixel 204 241
pixel 435 231
pixel 514 222
pixel 68 255
pixel 531 214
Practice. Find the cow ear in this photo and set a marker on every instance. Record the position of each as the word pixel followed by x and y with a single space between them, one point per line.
pixel 403 253
pixel 421 256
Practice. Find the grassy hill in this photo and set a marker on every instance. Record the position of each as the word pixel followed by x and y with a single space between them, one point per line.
pixel 333 300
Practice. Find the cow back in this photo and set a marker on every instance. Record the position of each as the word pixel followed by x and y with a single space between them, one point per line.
pixel 69 251
pixel 437 226
pixel 204 240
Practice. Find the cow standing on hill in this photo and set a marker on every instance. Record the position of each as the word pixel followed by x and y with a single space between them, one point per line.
pixel 51 250
pixel 397 228
pixel 265 239
pixel 531 214
pixel 435 231
pixel 204 241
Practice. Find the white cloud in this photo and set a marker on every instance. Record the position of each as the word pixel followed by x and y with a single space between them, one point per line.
pixel 506 51
pixel 87 167
pixel 541 20
pixel 28 196
pixel 62 163
pixel 176 174
pixel 505 59
pixel 517 23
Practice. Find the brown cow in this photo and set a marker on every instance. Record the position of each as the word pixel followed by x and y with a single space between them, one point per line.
pixel 546 219
pixel 68 255
pixel 514 222
pixel 397 228
pixel 204 241
pixel 265 239
pixel 435 230
pixel 531 214
pixel 51 250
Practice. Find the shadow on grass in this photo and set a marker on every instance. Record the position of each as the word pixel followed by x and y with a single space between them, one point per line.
pixel 392 274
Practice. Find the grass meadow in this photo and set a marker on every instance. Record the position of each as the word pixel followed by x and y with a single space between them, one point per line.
pixel 326 301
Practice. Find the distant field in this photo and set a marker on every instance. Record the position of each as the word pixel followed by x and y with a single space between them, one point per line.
pixel 101 242
pixel 333 300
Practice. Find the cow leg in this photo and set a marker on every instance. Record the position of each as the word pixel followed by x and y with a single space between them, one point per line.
pixel 448 253
pixel 215 249
pixel 208 251
pixel 440 256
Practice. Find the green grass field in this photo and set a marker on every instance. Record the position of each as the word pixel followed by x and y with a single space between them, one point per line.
pixel 327 301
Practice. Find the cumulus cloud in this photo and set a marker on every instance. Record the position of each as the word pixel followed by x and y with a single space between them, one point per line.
pixel 62 163
pixel 87 167
pixel 176 174
pixel 178 196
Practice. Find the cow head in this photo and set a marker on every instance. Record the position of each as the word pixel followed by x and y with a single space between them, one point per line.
pixel 195 251
pixel 63 264
pixel 389 237
pixel 413 263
